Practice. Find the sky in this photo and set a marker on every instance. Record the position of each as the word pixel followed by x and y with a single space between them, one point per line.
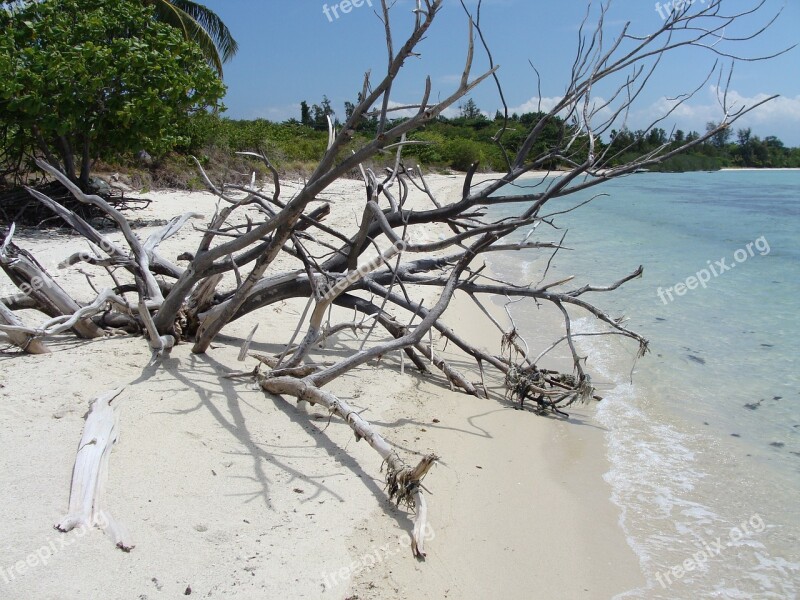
pixel 297 50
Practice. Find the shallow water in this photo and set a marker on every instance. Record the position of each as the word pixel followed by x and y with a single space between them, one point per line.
pixel 705 442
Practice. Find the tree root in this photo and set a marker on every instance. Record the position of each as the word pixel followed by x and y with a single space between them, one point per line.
pixel 404 486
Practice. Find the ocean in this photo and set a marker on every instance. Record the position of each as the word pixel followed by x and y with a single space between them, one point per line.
pixel 703 433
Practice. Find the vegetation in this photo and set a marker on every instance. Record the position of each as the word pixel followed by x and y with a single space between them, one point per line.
pixel 200 25
pixel 456 143
pixel 445 143
pixel 88 79
pixel 96 91
pixel 717 152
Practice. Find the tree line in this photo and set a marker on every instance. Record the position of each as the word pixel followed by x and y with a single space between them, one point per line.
pixel 458 142
pixel 106 80
pixel 723 149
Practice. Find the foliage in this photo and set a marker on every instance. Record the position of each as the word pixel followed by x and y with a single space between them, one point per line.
pixel 320 113
pixel 460 141
pixel 717 152
pixel 470 110
pixel 281 141
pixel 462 153
pixel 305 114
pixel 200 25
pixel 97 78
pixel 456 143
pixel 721 138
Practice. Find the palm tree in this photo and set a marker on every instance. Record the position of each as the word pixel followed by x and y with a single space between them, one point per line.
pixel 201 25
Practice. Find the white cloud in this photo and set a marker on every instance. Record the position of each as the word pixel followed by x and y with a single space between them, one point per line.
pixel 276 113
pixel 546 104
pixel 779 117
pixel 534 104
pixel 452 79
pixel 450 112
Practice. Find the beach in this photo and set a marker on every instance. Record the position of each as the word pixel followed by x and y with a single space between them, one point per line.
pixel 230 492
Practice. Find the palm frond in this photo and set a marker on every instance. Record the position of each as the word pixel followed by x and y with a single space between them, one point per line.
pixel 212 24
pixel 201 25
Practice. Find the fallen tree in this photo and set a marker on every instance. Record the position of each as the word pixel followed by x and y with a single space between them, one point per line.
pixel 380 268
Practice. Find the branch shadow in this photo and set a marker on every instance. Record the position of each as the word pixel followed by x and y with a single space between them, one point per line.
pixel 236 425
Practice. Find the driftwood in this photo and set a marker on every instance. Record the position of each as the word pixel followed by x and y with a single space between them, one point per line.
pixel 90 473
pixel 17 206
pixel 34 281
pixel 403 482
pixel 17 333
pixel 378 267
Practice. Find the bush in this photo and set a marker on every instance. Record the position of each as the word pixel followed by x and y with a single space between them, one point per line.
pixel 99 74
pixel 461 154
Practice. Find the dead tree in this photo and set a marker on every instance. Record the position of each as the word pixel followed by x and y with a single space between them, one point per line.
pixel 378 269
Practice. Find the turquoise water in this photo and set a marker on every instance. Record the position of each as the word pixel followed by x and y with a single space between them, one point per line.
pixel 704 442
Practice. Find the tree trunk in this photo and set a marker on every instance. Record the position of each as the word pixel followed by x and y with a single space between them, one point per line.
pixel 32 279
pixel 26 341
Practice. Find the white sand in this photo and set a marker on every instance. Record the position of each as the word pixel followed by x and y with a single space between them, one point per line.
pixel 228 492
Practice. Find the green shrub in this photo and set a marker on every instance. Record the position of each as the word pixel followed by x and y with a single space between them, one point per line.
pixel 461 154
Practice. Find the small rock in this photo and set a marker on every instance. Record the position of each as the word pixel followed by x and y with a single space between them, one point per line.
pixel 99 187
pixel 143 157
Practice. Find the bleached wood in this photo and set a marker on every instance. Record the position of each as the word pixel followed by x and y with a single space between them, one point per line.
pixel 60 324
pixel 90 472
pixel 32 279
pixel 19 335
pixel 141 256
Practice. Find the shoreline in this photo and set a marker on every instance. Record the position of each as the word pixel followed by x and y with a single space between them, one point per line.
pixel 519 506
pixel 227 491
pixel 760 169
